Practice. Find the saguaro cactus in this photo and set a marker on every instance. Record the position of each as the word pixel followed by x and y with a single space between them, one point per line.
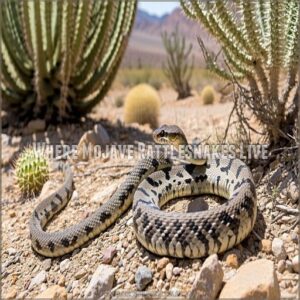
pixel 260 45
pixel 60 57
pixel 178 69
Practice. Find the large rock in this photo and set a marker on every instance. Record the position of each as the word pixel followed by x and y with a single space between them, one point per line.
pixel 101 283
pixel 208 281
pixel 54 292
pixel 255 280
pixel 96 137
pixel 278 249
pixel 38 280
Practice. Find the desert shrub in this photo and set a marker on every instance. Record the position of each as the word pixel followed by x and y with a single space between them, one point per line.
pixel 208 95
pixel 178 68
pixel 261 50
pixel 142 105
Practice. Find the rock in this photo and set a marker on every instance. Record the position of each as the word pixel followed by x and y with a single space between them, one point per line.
pixel 101 282
pixel 35 126
pixel 11 294
pixel 101 134
pixel 38 279
pixel 278 249
pixel 143 277
pixel 253 281
pixel 232 260
pixel 47 189
pixel 289 266
pixel 169 270
pixel 108 254
pixel 162 263
pixel 131 254
pixel 208 281
pixel 80 274
pixel 281 266
pixel 46 264
pixel 12 251
pixel 266 246
pixel 174 292
pixel 294 237
pixel 177 271
pixel 102 196
pixel 86 146
pixel 296 264
pixel 62 280
pixel 293 192
pixel 54 292
pixel 64 265
pixel 11 213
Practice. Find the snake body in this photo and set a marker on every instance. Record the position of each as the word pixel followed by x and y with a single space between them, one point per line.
pixel 151 184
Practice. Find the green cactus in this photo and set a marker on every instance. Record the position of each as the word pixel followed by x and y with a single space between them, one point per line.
pixel 260 45
pixel 32 171
pixel 178 69
pixel 59 57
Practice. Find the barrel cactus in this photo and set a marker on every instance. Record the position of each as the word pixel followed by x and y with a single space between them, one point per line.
pixel 32 171
pixel 59 57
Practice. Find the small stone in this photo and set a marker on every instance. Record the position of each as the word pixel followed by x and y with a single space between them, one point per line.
pixel 101 134
pixel 143 277
pixel 289 266
pixel 80 274
pixel 64 265
pixel 35 126
pixel 125 244
pixel 174 292
pixel 62 280
pixel 38 279
pixel 232 260
pixel 253 280
pixel 208 281
pixel 294 237
pixel 101 282
pixel 11 294
pixel 108 254
pixel 266 246
pixel 12 251
pixel 75 196
pixel 177 271
pixel 54 292
pixel 46 264
pixel 293 192
pixel 11 213
pixel 162 263
pixel 169 270
pixel 278 249
pixel 281 266
pixel 296 264
pixel 131 253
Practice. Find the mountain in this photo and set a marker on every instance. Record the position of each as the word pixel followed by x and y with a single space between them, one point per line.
pixel 145 46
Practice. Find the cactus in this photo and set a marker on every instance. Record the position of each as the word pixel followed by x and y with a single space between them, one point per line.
pixel 142 105
pixel 178 70
pixel 208 95
pixel 261 46
pixel 32 171
pixel 59 57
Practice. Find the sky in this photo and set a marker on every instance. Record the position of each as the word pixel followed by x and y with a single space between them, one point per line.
pixel 158 8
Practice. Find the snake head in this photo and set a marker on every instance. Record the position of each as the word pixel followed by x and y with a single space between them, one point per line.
pixel 169 134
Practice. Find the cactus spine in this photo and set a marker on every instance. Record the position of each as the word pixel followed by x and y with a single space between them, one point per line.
pixel 260 44
pixel 59 57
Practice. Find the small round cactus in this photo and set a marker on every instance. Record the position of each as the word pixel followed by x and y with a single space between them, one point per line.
pixel 32 171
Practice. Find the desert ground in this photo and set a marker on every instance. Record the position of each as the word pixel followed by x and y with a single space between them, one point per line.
pixel 26 274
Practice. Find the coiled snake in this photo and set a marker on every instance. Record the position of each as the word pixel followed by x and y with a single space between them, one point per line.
pixel 151 184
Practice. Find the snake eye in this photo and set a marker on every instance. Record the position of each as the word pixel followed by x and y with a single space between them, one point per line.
pixel 162 133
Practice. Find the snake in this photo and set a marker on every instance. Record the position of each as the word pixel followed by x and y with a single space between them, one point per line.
pixel 151 183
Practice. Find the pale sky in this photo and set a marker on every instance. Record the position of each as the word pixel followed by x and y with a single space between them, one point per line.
pixel 158 8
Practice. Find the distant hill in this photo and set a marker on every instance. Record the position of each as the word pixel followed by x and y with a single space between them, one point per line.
pixel 145 45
